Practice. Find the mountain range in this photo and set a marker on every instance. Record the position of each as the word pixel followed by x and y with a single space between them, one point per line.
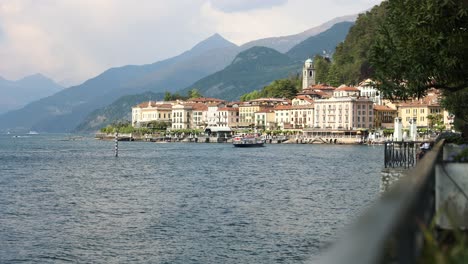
pixel 16 94
pixel 250 70
pixel 205 64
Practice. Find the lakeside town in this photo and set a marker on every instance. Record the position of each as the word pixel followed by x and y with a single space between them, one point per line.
pixel 319 113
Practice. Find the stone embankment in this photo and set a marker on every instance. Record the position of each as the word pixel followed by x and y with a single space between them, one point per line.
pixel 207 139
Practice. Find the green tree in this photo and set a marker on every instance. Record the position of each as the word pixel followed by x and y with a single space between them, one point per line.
pixel 282 88
pixel 194 93
pixel 333 77
pixel 286 88
pixel 250 96
pixel 322 66
pixel 436 122
pixel 424 44
pixel 167 96
pixel 351 58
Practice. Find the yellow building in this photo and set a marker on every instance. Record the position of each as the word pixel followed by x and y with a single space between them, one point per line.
pixel 151 111
pixel 265 119
pixel 421 109
pixel 384 116
pixel 247 109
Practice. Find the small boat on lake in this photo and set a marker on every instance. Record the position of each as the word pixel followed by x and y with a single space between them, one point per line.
pixel 248 141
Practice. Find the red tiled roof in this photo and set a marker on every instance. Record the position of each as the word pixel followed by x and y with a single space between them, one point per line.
pixel 321 86
pixel 305 98
pixel 268 100
pixel 383 108
pixel 282 107
pixel 347 88
pixel 205 100
pixel 153 104
pixel 231 109
pixel 198 106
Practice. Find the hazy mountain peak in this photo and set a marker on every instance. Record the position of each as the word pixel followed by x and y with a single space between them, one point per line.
pixel 215 41
pixel 36 76
pixel 16 94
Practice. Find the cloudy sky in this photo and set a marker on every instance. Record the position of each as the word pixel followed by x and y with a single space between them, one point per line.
pixel 73 40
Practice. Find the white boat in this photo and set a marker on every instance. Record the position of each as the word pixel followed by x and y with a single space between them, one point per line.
pixel 33 132
pixel 245 141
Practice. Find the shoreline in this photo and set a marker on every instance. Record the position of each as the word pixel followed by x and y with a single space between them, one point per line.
pixel 206 139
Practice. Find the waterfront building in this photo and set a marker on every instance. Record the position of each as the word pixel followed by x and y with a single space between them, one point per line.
pixel 308 74
pixel 384 116
pixel 228 116
pixel 420 109
pixel 181 116
pixel 248 109
pixel 247 114
pixel 302 112
pixel 349 113
pixel 265 119
pixel 146 112
pixel 199 116
pixel 283 116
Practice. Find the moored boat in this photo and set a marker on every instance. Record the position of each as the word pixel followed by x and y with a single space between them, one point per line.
pixel 248 141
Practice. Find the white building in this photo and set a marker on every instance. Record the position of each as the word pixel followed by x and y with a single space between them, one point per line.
pixel 367 88
pixel 348 113
pixel 181 116
pixel 151 111
pixel 302 112
pixel 346 91
pixel 283 116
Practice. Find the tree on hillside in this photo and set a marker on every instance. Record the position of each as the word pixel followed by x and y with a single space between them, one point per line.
pixel 250 96
pixel 286 88
pixel 322 66
pixel 420 45
pixel 194 93
pixel 172 97
pixel 282 88
pixel 167 96
pixel 350 60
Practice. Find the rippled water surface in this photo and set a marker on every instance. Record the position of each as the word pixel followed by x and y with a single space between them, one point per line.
pixel 65 200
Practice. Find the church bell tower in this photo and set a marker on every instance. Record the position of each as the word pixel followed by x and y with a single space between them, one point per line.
pixel 308 74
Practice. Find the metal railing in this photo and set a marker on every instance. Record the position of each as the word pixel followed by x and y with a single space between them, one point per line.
pixel 389 231
pixel 401 154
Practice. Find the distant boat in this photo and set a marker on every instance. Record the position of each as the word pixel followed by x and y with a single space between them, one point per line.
pixel 33 133
pixel 247 141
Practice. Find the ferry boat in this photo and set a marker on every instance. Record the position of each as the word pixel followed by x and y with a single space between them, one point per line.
pixel 247 141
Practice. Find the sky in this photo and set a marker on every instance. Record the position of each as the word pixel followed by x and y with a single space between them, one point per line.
pixel 71 41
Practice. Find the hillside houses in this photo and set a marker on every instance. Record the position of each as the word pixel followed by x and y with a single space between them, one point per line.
pixel 318 108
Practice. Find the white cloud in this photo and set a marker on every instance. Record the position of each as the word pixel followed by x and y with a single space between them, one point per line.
pixel 244 5
pixel 78 39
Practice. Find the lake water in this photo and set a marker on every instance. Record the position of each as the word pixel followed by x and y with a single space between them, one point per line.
pixel 72 201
